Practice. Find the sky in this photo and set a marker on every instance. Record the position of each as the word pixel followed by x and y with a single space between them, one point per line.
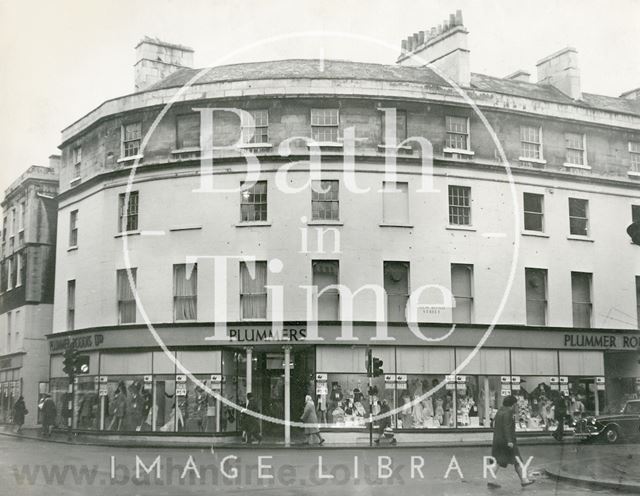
pixel 60 59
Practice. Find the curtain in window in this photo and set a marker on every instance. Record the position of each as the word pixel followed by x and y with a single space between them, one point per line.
pixel 126 298
pixel 463 295
pixel 253 293
pixel 396 284
pixel 185 292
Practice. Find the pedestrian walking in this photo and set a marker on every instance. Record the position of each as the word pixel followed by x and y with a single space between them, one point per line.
pixel 560 409
pixel 19 413
pixel 49 413
pixel 250 424
pixel 505 449
pixel 385 429
pixel 309 417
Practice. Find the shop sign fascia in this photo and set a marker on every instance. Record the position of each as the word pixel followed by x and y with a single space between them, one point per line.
pixel 297 333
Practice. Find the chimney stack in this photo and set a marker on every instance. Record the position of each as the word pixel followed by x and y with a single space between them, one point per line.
pixel 54 163
pixel 561 71
pixel 519 75
pixel 631 94
pixel 156 59
pixel 444 46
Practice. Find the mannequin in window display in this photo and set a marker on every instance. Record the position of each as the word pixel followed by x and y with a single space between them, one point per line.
pixel 523 412
pixel 118 410
pixel 406 416
pixel 200 412
pixel 417 410
pixel 87 411
pixel 375 410
pixel 135 407
pixel 427 405
pixel 322 408
pixel 448 411
pixel 439 412
pixel 335 400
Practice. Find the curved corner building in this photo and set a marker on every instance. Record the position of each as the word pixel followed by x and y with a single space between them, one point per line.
pixel 223 262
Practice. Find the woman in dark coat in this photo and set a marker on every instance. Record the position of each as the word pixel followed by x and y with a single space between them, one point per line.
pixel 19 412
pixel 505 448
pixel 309 417
pixel 49 414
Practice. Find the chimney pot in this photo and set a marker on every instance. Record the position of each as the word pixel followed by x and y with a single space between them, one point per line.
pixel 459 17
pixel 421 37
pixel 156 59
pixel 403 46
pixel 452 20
pixel 561 70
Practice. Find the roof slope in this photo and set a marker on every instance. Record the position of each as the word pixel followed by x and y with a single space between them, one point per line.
pixel 342 69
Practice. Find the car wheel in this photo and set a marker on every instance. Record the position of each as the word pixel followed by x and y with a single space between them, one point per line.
pixel 611 434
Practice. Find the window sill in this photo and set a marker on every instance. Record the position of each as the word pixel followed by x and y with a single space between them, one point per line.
pixel 396 224
pixel 255 223
pixel 536 234
pixel 576 237
pixel 459 151
pixel 73 248
pixel 576 166
pixel 129 159
pixel 533 160
pixel 403 148
pixel 184 228
pixel 75 181
pixel 127 234
pixel 255 145
pixel 190 149
pixel 325 223
pixel 633 173
pixel 326 144
pixel 451 227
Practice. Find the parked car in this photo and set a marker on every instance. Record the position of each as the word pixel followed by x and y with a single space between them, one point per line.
pixel 613 427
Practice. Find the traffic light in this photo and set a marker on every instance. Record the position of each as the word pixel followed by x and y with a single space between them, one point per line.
pixel 70 362
pixel 367 361
pixel 377 367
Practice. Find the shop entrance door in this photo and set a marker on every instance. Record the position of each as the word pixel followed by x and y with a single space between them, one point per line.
pixel 586 389
pixel 269 386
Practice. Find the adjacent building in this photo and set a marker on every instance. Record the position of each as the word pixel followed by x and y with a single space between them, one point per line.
pixel 530 261
pixel 27 262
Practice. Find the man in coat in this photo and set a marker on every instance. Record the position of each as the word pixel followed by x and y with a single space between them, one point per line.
pixel 385 428
pixel 49 414
pixel 505 448
pixel 309 417
pixel 19 412
pixel 560 413
pixel 250 424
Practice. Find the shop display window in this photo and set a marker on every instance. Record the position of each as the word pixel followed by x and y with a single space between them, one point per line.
pixel 433 411
pixel 59 390
pixel 534 409
pixel 86 403
pixel 163 415
pixel 346 403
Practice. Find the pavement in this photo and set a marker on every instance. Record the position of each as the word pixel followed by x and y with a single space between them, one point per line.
pixel 30 465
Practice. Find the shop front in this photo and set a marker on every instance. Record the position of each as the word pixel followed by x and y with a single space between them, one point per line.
pixel 133 387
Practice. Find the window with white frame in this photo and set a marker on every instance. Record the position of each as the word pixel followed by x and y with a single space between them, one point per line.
pixel 259 133
pixel 9 274
pixel 325 124
pixel 253 202
pixel 21 216
pixel 71 305
pixel 581 299
pixel 253 290
pixel 187 131
pixel 73 229
pixel 185 292
pixel 128 214
pixel 575 149
pixel 634 153
pixel 462 291
pixel 76 160
pixel 531 142
pixel 395 203
pixel 19 260
pixel 131 139
pixel 578 216
pixel 325 203
pixel 457 133
pixel 460 205
pixel 536 295
pixel 326 273
pixel 396 285
pixel 125 296
pixel 533 212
